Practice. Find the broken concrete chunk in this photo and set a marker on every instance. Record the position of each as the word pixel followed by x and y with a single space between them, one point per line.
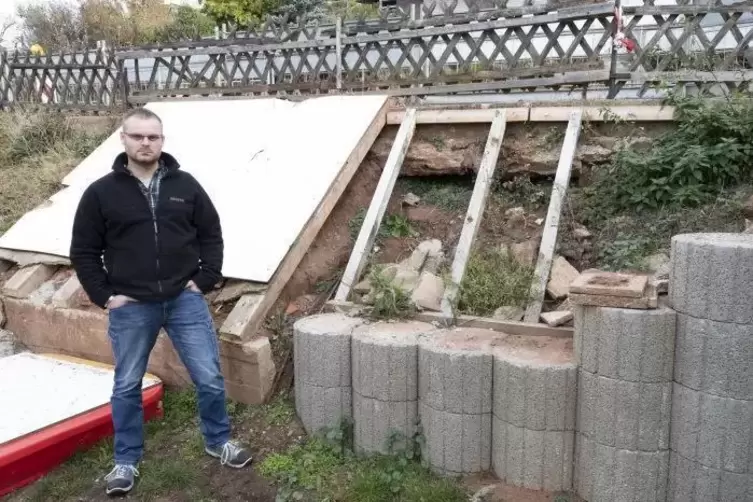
pixel 509 313
pixel 363 287
pixel 524 252
pixel 416 260
pixel 429 291
pixel 560 278
pixel 28 279
pixel 515 215
pixel 406 279
pixel 557 318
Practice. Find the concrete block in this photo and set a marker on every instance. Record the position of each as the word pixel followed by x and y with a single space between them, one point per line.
pixel 649 301
pixel 712 275
pixel 691 481
pixel 630 345
pixel 70 294
pixel 382 426
pixel 385 360
pixel 714 431
pixel 456 444
pixel 322 407
pixel 535 383
pixel 248 367
pixel 321 349
pixel 624 415
pixel 557 317
pixel 27 279
pixel 455 370
pixel 609 474
pixel 714 357
pixel 539 460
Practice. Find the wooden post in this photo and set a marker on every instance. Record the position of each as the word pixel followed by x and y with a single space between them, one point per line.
pixel 549 238
pixel 339 52
pixel 475 209
pixel 378 206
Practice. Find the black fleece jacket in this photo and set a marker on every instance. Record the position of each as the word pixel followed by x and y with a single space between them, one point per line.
pixel 119 247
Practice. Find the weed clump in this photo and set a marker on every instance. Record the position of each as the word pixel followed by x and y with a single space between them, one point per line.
pixel 493 279
pixel 710 150
pixel 390 301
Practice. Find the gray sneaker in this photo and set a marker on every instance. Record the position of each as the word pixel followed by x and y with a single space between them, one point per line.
pixel 121 479
pixel 230 454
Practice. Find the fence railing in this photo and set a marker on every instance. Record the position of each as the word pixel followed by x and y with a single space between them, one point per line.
pixel 433 49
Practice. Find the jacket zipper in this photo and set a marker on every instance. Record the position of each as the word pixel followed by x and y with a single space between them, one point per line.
pixel 154 223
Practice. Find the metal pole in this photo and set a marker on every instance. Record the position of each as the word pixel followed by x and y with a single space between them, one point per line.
pixel 339 52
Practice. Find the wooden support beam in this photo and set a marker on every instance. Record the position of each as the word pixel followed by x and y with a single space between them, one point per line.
pixel 509 327
pixel 551 225
pixel 634 113
pixel 315 223
pixel 378 206
pixel 475 209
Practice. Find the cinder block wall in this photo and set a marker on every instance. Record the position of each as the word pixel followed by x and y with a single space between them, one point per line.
pixel 650 405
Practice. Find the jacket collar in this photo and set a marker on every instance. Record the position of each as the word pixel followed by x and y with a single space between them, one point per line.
pixel 121 162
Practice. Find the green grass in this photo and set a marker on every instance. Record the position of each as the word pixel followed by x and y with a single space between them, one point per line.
pixel 493 279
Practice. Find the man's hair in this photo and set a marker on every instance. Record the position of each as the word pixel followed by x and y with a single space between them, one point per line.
pixel 142 113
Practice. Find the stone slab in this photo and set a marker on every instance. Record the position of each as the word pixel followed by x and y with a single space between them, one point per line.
pixel 557 317
pixel 539 460
pixel 560 278
pixel 70 295
pixel 626 344
pixel 650 301
pixel 610 284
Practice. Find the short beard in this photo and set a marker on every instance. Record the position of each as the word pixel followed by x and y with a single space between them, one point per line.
pixel 142 164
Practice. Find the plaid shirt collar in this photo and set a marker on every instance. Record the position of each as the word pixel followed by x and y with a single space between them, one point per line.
pixel 151 191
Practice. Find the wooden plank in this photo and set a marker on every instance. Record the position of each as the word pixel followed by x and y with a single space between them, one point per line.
pixel 315 223
pixel 551 226
pixel 475 209
pixel 604 114
pixel 509 327
pixel 637 113
pixel 378 206
pixel 449 116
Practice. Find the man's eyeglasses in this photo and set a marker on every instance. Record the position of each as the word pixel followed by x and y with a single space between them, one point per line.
pixel 153 138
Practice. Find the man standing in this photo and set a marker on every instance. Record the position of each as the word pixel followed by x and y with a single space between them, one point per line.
pixel 147 243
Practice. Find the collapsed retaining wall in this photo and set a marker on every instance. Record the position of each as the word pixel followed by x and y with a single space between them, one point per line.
pixel 46 310
pixel 650 405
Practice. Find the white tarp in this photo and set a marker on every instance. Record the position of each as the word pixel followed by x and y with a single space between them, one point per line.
pixel 266 164
pixel 39 391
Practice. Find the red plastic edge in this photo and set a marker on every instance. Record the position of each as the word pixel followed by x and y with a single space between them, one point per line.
pixel 30 457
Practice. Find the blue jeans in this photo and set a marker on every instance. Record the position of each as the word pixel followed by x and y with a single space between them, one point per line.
pixel 133 331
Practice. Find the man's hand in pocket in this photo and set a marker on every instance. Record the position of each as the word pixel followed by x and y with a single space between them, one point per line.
pixel 193 287
pixel 118 301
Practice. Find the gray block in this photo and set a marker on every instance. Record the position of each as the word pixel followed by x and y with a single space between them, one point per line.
pixel 385 360
pixel 532 394
pixel 7 341
pixel 539 460
pixel 712 276
pixel 322 407
pixel 715 357
pixel 624 415
pixel 383 427
pixel 321 349
pixel 608 474
pixel 690 481
pixel 456 444
pixel 714 431
pixel 455 370
pixel 632 345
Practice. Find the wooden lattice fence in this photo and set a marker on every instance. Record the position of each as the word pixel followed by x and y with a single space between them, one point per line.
pixel 430 49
